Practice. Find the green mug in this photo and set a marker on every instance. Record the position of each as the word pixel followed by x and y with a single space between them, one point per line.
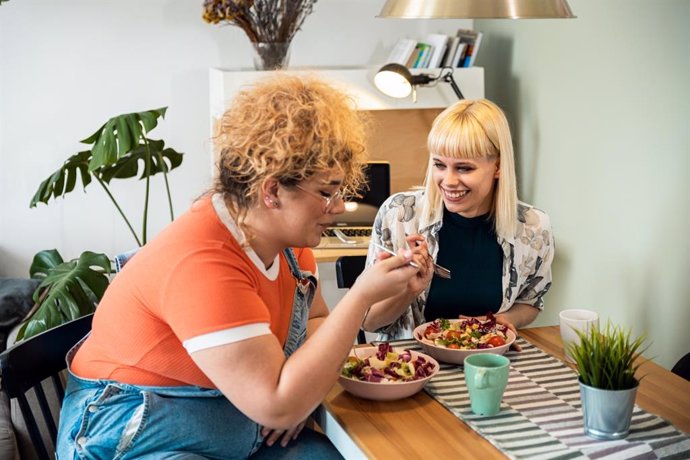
pixel 486 377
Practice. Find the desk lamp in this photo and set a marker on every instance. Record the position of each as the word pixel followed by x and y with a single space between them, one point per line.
pixel 396 80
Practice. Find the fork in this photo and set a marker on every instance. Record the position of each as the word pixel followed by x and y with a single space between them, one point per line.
pixel 439 271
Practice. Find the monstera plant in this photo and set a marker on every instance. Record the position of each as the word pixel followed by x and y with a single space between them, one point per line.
pixel 120 149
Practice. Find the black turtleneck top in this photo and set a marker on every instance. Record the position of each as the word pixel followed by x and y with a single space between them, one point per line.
pixel 470 249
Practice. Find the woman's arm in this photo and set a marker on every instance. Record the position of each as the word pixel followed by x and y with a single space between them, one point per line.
pixel 317 313
pixel 388 310
pixel 518 316
pixel 255 376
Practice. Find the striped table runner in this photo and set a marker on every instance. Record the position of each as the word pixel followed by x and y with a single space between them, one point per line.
pixel 540 414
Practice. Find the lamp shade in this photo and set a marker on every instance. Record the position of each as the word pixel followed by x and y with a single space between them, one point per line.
pixel 394 80
pixel 476 9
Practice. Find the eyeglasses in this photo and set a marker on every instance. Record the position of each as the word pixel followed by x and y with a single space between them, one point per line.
pixel 329 200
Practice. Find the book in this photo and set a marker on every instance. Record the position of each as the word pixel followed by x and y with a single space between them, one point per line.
pixel 452 47
pixel 475 49
pixel 459 55
pixel 439 43
pixel 469 37
pixel 413 57
pixel 402 51
pixel 425 49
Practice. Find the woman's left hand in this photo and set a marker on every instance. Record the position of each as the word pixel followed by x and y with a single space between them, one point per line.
pixel 420 255
pixel 271 436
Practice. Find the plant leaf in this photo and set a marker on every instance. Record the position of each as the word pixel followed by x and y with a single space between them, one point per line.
pixel 63 180
pixel 68 290
pixel 161 159
pixel 119 135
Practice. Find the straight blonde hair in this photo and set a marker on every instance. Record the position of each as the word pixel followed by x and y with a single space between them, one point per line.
pixel 471 129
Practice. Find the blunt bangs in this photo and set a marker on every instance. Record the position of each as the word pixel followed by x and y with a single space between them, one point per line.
pixel 460 135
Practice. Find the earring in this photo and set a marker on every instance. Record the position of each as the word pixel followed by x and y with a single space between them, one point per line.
pixel 271 203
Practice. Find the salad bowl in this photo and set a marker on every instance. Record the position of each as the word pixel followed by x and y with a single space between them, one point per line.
pixel 385 389
pixel 457 356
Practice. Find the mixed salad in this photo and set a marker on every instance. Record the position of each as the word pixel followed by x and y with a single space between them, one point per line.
pixel 387 366
pixel 466 334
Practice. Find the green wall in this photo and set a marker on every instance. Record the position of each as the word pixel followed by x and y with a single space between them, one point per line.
pixel 600 111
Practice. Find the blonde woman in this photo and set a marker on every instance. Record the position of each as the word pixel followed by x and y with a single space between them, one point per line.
pixel 214 341
pixel 468 219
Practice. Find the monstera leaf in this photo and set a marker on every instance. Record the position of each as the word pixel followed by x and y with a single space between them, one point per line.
pixel 68 290
pixel 119 135
pixel 155 159
pixel 64 179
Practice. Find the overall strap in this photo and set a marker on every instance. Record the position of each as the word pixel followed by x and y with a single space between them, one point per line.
pixel 304 294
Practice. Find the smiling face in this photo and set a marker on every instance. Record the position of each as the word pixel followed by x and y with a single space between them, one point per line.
pixel 467 186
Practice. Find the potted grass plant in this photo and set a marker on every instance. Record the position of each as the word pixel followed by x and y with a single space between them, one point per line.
pixel 608 361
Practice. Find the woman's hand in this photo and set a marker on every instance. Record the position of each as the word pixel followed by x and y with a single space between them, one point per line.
pixel 271 436
pixel 388 277
pixel 421 256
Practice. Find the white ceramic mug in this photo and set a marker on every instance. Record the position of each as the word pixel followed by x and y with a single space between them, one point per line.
pixel 573 319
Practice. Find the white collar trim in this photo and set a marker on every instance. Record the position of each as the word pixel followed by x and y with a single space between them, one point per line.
pixel 227 220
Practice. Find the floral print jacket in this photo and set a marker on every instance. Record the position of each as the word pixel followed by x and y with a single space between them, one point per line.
pixel 526 258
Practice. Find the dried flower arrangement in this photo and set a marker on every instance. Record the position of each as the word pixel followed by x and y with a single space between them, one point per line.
pixel 264 21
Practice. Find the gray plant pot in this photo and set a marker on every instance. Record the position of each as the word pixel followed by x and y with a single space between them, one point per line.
pixel 607 413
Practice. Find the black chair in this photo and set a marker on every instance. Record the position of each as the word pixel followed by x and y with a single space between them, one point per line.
pixel 347 269
pixel 682 367
pixel 28 363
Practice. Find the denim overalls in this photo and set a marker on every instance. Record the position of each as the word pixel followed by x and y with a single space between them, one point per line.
pixel 105 419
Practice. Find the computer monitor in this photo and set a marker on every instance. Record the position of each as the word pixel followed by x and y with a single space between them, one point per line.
pixel 361 212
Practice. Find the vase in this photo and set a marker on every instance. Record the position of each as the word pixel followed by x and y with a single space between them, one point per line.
pixel 271 55
pixel 607 413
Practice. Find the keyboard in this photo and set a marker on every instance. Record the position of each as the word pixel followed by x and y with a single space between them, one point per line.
pixel 345 238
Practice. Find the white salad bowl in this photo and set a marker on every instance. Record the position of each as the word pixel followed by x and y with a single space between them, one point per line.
pixel 453 356
pixel 386 391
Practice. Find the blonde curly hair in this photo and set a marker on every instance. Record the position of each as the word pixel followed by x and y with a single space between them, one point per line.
pixel 288 128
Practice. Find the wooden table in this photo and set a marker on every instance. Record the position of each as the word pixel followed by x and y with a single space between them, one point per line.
pixel 420 427
pixel 331 255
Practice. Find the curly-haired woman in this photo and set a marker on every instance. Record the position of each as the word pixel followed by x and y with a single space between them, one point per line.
pixel 214 341
pixel 469 220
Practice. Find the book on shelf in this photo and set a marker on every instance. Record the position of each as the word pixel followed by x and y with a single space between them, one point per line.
pixel 449 55
pixel 459 55
pixel 437 50
pixel 402 51
pixel 413 57
pixel 473 39
pixel 423 57
pixel 439 43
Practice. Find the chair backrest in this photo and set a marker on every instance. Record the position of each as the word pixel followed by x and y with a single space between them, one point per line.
pixel 25 366
pixel 347 269
pixel 682 367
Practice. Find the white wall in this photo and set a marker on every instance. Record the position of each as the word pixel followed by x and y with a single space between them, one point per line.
pixel 68 66
pixel 600 107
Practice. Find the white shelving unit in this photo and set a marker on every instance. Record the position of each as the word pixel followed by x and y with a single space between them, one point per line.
pixel 358 82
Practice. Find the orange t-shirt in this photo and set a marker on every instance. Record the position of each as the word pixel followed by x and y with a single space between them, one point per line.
pixel 193 279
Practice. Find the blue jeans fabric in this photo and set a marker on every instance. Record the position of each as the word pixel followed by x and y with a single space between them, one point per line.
pixel 105 419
